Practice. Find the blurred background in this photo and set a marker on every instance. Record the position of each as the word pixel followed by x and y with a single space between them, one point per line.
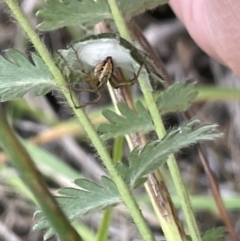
pixel 63 152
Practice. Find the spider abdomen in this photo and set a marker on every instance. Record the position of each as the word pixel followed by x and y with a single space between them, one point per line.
pixel 103 71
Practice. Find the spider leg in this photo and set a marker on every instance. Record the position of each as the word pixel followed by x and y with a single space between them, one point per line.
pixel 78 59
pixel 71 71
pixel 93 101
pixel 89 103
pixel 78 89
pixel 115 82
pixel 96 91
pixel 94 82
pixel 69 86
pixel 135 77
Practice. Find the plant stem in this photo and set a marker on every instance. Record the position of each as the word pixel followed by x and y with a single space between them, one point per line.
pixel 30 175
pixel 150 102
pixel 122 187
pixel 215 93
pixel 119 20
pixel 102 234
pixel 170 224
pixel 84 120
pixel 172 164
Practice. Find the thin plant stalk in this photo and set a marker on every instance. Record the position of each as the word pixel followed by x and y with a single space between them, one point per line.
pixel 31 176
pixel 85 122
pixel 186 205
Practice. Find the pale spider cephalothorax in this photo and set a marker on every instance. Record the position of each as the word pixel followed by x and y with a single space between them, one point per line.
pixel 97 78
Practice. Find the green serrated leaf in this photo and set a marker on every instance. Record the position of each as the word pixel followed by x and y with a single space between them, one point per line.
pixel 63 13
pixel 58 14
pixel 77 202
pixel 154 154
pixel 216 234
pixel 133 8
pixel 178 97
pixel 140 121
pixel 21 76
pixel 49 234
pixel 126 123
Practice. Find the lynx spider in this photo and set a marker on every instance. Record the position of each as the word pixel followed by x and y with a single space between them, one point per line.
pixel 98 77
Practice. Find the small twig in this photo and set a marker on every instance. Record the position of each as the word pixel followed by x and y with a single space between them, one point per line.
pixel 216 193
